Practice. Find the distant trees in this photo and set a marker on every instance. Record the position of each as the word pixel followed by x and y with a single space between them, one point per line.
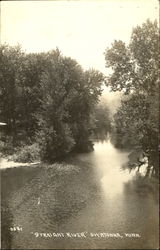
pixel 135 72
pixel 102 121
pixel 47 98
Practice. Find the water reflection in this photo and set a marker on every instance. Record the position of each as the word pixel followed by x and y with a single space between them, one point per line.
pixel 109 162
pixel 91 193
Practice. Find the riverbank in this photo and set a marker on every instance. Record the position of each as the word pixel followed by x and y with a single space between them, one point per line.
pixel 6 163
pixel 137 181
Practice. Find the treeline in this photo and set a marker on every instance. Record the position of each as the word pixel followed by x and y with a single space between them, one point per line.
pixel 136 73
pixel 47 101
pixel 102 121
pixel 51 104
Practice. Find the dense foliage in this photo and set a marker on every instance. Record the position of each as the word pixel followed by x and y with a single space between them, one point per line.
pixel 47 98
pixel 102 121
pixel 135 70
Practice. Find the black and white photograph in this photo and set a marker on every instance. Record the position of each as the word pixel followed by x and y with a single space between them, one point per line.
pixel 79 124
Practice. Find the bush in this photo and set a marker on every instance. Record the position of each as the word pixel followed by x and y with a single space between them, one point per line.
pixel 29 153
pixel 6 146
pixel 55 144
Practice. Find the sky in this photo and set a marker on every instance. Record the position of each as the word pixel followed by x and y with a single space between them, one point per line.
pixel 80 29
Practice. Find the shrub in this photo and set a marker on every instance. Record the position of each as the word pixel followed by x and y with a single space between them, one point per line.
pixel 6 146
pixel 28 153
pixel 55 144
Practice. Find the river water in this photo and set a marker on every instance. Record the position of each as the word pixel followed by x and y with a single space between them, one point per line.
pixel 88 202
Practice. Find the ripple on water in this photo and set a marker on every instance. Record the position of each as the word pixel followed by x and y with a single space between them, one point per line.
pixel 92 195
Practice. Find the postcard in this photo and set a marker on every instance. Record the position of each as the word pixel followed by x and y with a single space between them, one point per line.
pixel 79 124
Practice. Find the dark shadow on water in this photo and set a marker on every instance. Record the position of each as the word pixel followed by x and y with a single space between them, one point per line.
pixel 63 190
pixel 6 224
pixel 11 180
pixel 143 187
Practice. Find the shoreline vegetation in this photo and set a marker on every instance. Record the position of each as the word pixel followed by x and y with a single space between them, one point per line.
pixel 50 107
pixel 144 186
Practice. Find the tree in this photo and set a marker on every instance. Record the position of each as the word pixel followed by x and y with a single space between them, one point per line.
pixel 19 92
pixel 82 108
pixel 102 121
pixel 56 86
pixel 47 98
pixel 33 66
pixel 135 72
pixel 68 98
pixel 10 65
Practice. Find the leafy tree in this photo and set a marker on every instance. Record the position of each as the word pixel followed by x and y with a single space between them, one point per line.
pixel 19 92
pixel 33 66
pixel 68 98
pixel 54 135
pixel 83 106
pixel 135 72
pixel 47 98
pixel 10 65
pixel 102 121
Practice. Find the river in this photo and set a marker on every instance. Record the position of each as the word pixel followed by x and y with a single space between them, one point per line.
pixel 88 202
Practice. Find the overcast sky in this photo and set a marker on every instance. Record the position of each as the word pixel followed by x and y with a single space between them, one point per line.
pixel 80 29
